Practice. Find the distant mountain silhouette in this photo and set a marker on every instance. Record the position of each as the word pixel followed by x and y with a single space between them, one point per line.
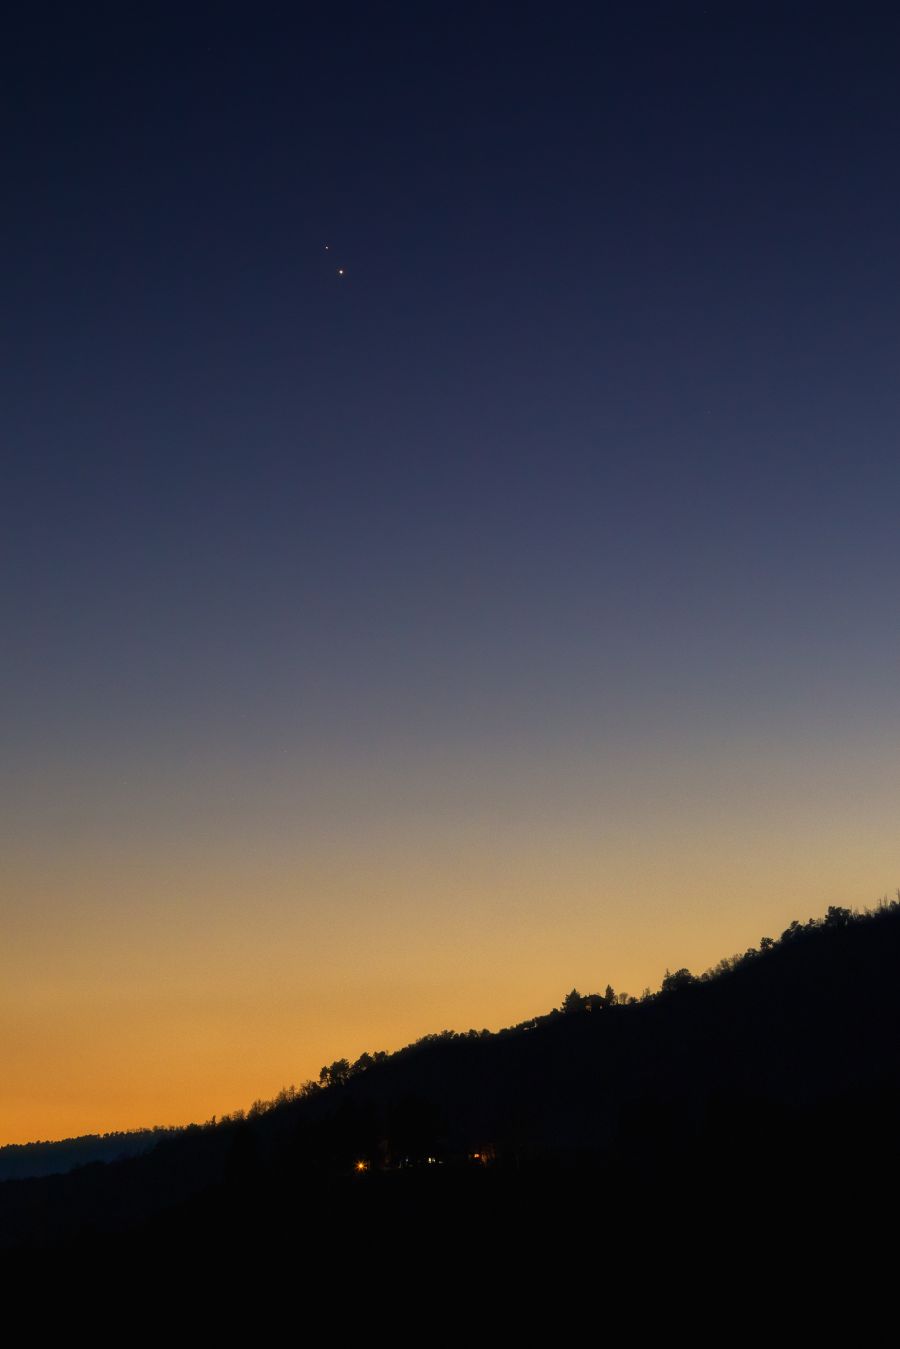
pixel 769 1086
pixel 19 1161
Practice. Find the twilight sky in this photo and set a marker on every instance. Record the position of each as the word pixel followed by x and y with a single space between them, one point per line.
pixel 392 651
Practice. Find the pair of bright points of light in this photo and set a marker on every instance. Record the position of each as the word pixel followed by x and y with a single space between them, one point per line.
pixel 340 270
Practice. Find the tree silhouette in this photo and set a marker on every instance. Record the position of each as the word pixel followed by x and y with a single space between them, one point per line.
pixel 335 1074
pixel 678 979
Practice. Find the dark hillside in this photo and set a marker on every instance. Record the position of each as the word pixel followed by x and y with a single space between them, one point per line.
pixel 19 1161
pixel 777 1075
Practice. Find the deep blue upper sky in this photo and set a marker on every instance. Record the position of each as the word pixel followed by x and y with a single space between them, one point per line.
pixel 610 380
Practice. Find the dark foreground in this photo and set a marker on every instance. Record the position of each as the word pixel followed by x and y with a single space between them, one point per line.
pixel 732 1144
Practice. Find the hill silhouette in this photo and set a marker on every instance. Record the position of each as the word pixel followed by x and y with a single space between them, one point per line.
pixel 769 1086
pixel 20 1161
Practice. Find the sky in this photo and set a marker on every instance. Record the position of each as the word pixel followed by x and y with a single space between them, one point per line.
pixel 448 521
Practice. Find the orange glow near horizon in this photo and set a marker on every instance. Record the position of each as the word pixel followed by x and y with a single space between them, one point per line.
pixel 147 985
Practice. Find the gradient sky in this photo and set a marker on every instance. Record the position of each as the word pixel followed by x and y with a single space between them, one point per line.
pixel 392 651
